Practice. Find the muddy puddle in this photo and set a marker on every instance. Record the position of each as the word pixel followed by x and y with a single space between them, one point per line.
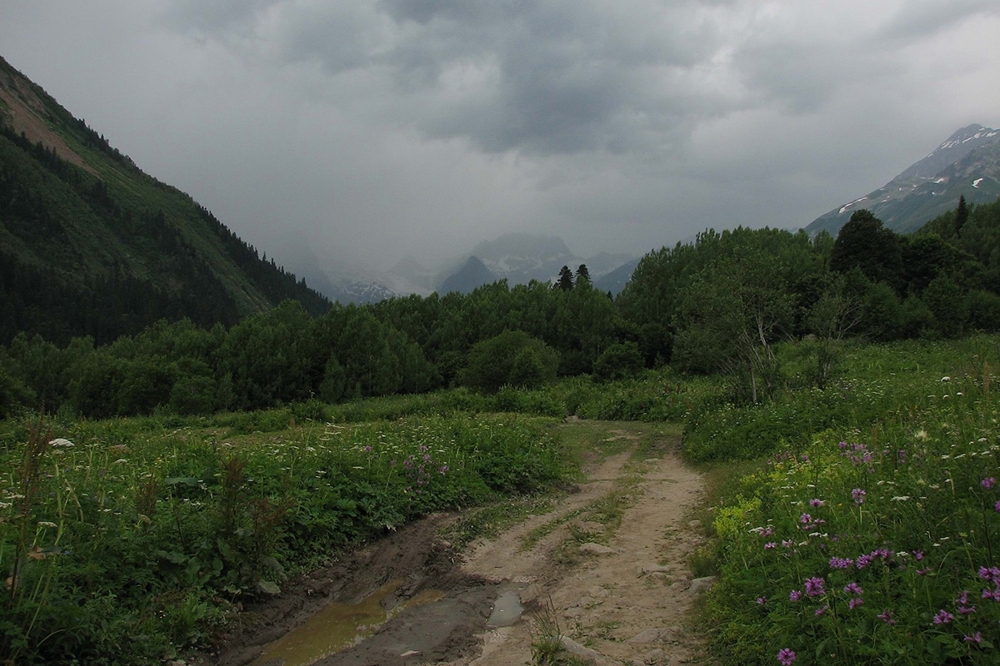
pixel 339 626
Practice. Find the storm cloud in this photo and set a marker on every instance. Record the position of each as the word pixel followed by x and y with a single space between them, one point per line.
pixel 370 129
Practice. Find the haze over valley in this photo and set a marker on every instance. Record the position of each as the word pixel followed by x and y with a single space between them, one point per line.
pixel 342 138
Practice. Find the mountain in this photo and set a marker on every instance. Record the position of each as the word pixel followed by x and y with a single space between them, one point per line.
pixel 967 163
pixel 361 292
pixel 614 281
pixel 472 274
pixel 91 245
pixel 516 257
pixel 522 257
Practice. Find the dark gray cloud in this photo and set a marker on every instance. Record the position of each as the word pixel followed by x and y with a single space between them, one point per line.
pixel 541 77
pixel 919 19
pixel 364 130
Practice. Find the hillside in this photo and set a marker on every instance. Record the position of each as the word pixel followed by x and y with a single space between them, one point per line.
pixel 91 245
pixel 967 163
pixel 471 275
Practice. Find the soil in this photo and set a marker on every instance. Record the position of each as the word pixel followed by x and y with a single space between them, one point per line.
pixel 619 592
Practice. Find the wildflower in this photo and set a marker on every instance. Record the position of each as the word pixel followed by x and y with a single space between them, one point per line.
pixel 761 601
pixel 974 638
pixel 853 588
pixel 943 617
pixel 887 617
pixel 997 506
pixel 918 554
pixel 840 563
pixel 988 482
pixel 769 545
pixel 858 495
pixel 816 502
pixel 805 519
pixel 991 575
pixel 794 595
pixel 857 601
pixel 814 587
pixel 786 657
pixel 821 610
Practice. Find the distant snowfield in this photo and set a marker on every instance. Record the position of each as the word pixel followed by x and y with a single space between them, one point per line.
pixel 976 182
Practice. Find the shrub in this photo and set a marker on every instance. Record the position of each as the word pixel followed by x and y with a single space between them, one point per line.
pixel 512 358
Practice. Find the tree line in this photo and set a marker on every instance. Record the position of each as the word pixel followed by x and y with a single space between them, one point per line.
pixel 719 304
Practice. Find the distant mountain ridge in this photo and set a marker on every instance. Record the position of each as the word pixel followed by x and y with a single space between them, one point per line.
pixel 518 258
pixel 473 273
pixel 91 245
pixel 967 163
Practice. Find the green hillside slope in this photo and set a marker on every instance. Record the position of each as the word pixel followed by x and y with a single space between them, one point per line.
pixel 90 245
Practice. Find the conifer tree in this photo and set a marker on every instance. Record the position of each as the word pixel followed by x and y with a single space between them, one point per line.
pixel 582 275
pixel 961 215
pixel 565 279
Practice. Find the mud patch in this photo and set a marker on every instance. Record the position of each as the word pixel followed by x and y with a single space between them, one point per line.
pixel 435 610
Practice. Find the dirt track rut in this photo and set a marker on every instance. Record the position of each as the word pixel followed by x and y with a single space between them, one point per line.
pixel 608 564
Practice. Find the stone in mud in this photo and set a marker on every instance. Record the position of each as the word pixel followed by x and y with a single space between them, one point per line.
pixel 585 653
pixel 648 636
pixel 653 568
pixel 699 585
pixel 656 656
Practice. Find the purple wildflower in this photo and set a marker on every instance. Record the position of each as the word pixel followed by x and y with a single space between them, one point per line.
pixel 821 610
pixel 887 617
pixel 769 545
pixel 786 657
pixel 840 563
pixel 988 482
pixel 856 601
pixel 853 588
pixel 990 575
pixel 858 495
pixel 919 554
pixel 814 587
pixel 974 638
pixel 761 601
pixel 943 617
pixel 816 502
pixel 997 505
pixel 794 595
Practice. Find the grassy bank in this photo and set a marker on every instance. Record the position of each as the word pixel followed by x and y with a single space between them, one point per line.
pixel 872 532
pixel 122 540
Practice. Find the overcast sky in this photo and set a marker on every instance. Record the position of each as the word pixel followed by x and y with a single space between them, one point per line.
pixel 370 129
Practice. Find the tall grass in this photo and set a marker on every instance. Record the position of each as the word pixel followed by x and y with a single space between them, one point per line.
pixel 872 537
pixel 127 539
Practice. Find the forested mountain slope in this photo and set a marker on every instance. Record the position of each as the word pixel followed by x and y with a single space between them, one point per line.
pixel 91 245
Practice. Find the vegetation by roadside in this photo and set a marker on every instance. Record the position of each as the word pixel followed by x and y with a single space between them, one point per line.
pixel 121 542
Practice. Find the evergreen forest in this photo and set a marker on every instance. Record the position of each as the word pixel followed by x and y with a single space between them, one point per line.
pixel 718 305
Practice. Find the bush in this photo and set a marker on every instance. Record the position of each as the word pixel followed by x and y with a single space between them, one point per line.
pixel 619 361
pixel 512 358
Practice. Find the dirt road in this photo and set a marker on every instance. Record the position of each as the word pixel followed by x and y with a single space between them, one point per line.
pixel 605 567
